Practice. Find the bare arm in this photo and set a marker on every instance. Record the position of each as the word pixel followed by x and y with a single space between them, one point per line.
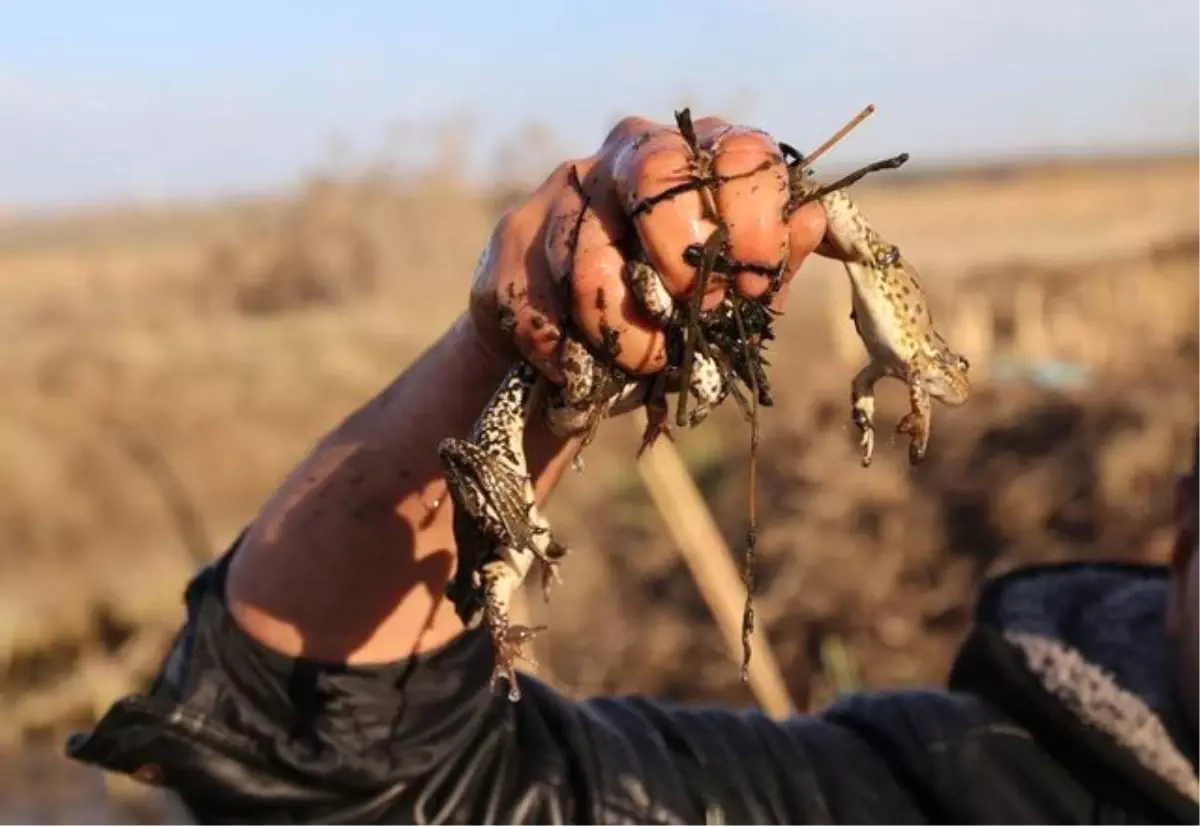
pixel 347 561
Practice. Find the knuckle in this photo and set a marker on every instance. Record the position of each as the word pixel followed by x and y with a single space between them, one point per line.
pixel 745 140
pixel 657 169
pixel 520 223
pixel 713 128
pixel 561 174
pixel 516 229
pixel 627 126
pixel 507 229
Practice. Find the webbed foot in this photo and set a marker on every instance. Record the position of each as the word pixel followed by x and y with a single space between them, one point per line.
pixel 863 415
pixel 917 429
pixel 862 408
pixel 510 647
pixel 916 423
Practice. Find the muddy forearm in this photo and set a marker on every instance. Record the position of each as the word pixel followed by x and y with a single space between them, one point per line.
pixel 347 561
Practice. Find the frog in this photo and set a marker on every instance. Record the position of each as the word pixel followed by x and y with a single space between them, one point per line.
pixel 498 527
pixel 891 315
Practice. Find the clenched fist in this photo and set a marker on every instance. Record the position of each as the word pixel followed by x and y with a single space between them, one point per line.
pixel 593 214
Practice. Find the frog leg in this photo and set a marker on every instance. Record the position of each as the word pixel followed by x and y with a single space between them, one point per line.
pixel 917 422
pixel 862 406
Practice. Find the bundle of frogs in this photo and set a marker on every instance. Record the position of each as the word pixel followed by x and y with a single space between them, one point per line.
pixel 712 355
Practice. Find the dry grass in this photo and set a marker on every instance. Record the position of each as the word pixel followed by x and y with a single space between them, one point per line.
pixel 221 342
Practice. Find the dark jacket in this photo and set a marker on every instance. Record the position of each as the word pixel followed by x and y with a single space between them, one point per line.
pixel 1057 711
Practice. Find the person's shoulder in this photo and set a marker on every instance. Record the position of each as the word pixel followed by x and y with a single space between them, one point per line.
pixel 1078 654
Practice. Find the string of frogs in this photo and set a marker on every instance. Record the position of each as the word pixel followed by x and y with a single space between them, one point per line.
pixel 711 355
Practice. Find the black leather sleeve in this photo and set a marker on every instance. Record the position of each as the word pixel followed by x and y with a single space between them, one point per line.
pixel 913 756
pixel 547 759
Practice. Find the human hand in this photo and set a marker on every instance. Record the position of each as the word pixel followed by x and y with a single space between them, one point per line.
pixel 519 303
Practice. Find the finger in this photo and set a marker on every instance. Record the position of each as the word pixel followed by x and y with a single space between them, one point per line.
pixel 603 305
pixel 529 306
pixel 646 168
pixel 750 198
pixel 583 249
pixel 806 232
pixel 806 229
pixel 565 216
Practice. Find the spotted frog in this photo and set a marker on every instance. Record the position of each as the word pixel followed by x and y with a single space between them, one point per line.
pixel 891 314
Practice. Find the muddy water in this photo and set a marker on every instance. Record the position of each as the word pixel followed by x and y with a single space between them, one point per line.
pixel 39 785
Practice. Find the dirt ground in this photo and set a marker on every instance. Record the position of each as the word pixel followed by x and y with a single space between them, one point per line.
pixel 165 370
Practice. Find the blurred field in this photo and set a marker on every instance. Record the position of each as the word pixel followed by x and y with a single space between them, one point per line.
pixel 160 363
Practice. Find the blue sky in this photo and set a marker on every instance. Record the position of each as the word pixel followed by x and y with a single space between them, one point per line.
pixel 129 99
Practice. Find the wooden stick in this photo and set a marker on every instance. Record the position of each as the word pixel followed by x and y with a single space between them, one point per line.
pixel 867 111
pixel 518 609
pixel 691 525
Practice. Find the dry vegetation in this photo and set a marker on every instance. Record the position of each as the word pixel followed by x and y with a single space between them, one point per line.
pixel 164 370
